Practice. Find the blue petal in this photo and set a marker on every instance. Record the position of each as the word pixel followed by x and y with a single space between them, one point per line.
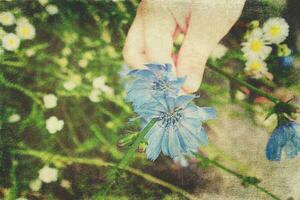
pixel 142 74
pixel 174 144
pixel 154 138
pixel 207 113
pixel 184 100
pixel 276 143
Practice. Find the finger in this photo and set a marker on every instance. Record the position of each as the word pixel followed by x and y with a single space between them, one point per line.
pixel 209 22
pixel 134 49
pixel 159 27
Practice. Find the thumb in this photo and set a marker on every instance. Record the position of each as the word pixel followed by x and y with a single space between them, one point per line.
pixel 209 22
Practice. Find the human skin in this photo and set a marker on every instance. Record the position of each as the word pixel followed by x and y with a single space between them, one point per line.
pixel 158 22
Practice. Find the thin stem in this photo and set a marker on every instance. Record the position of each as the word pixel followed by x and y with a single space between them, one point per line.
pixel 244 83
pixel 115 172
pixel 25 91
pixel 245 179
pixel 52 158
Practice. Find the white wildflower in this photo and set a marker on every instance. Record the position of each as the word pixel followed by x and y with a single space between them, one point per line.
pixel 240 95
pixel 219 51
pixel 30 52
pixel 10 42
pixel 25 31
pixel 52 9
pixel 256 68
pixel 70 85
pixel 65 184
pixel 7 18
pixel 83 63
pixel 22 20
pixel 14 118
pixel 50 101
pixel 48 174
pixel 99 82
pixel 43 2
pixel 66 51
pixel 35 185
pixel 276 30
pixel 256 48
pixel 54 125
pixel 2 33
pixel 95 95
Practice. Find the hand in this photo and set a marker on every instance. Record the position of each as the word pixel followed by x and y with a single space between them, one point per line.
pixel 158 22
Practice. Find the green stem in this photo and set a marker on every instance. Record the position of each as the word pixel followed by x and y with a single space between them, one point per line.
pixel 245 179
pixel 115 172
pixel 49 157
pixel 19 88
pixel 244 83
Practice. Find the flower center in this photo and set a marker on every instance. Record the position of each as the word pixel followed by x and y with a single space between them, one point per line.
pixel 255 66
pixel 171 118
pixel 256 45
pixel 161 85
pixel 275 30
pixel 25 31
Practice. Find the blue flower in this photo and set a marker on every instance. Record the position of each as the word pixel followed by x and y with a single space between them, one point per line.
pixel 286 137
pixel 157 80
pixel 286 61
pixel 178 130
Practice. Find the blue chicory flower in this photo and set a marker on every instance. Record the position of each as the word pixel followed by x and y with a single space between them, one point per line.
pixel 286 61
pixel 178 130
pixel 154 81
pixel 286 137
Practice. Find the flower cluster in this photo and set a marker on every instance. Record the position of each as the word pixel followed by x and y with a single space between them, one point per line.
pixel 257 46
pixel 154 93
pixel 24 30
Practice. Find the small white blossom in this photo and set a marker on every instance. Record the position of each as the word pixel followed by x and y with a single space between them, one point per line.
pixel 30 52
pixel 50 101
pixel 10 42
pixel 65 184
pixel 14 118
pixel 99 82
pixel 43 2
pixel 52 9
pixel 7 18
pixel 25 31
pixel 219 51
pixel 66 51
pixel 95 95
pixel 276 30
pixel 83 63
pixel 48 174
pixel 54 125
pixel 256 68
pixel 35 185
pixel 256 48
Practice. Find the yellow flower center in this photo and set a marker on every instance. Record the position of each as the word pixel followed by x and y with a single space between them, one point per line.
pixel 256 45
pixel 11 42
pixel 255 66
pixel 275 30
pixel 25 31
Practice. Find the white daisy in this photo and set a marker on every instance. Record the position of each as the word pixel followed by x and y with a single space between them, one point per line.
pixel 83 63
pixel 35 185
pixel 7 18
pixel 50 101
pixel 52 9
pixel 48 174
pixel 25 31
pixel 95 95
pixel 65 184
pixel 10 42
pixel 43 2
pixel 54 125
pixel 219 51
pixel 22 20
pixel 14 118
pixel 99 82
pixel 2 33
pixel 276 30
pixel 256 68
pixel 256 48
pixel 69 85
